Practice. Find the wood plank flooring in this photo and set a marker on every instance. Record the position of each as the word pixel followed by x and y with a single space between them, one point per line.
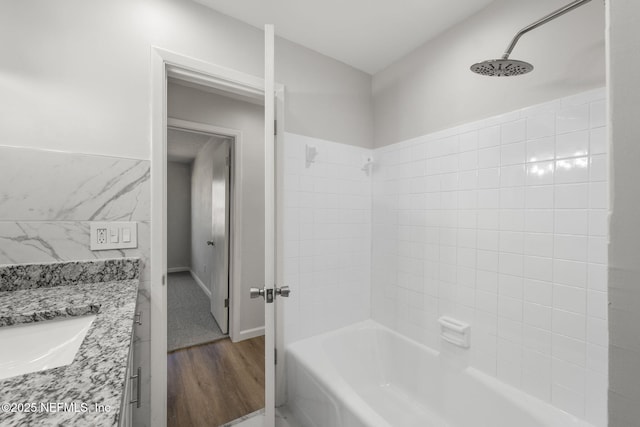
pixel 212 384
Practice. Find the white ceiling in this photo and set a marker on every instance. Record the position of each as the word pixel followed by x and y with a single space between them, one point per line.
pixel 183 146
pixel 366 34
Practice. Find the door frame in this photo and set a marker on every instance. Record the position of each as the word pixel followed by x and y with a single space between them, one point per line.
pixel 164 64
pixel 235 213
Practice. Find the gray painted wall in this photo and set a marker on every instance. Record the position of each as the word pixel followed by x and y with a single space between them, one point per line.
pixel 101 75
pixel 325 99
pixel 432 88
pixel 178 215
pixel 624 246
pixel 192 104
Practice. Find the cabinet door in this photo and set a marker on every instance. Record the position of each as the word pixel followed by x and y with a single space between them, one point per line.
pixel 126 412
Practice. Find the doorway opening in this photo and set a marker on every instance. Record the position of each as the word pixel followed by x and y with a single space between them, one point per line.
pixel 215 372
pixel 198 236
pixel 167 66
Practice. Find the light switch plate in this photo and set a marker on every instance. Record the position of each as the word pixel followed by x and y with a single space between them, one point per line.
pixel 113 235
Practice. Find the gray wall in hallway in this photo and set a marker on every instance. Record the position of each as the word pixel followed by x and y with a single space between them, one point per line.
pixel 432 88
pixel 178 215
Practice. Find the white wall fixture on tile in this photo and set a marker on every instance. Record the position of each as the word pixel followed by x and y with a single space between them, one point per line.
pixel 502 224
pixel 454 331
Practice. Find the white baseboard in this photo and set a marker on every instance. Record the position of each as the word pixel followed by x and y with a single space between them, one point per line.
pixel 199 282
pixel 177 269
pixel 248 334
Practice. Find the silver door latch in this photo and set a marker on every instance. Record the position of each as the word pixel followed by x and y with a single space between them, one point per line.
pixel 270 294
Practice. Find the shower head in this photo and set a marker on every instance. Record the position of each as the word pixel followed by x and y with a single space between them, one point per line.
pixel 501 67
pixel 504 66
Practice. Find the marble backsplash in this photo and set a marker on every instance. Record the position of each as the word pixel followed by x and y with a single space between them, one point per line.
pixel 40 185
pixel 54 241
pixel 48 199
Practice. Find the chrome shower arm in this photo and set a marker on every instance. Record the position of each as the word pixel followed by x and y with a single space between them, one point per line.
pixel 553 15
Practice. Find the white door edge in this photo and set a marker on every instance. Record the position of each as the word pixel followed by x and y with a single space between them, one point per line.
pixel 269 226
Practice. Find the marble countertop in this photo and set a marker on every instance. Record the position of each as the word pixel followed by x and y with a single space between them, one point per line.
pixel 95 379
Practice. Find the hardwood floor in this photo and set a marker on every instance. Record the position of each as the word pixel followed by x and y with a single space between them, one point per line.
pixel 212 384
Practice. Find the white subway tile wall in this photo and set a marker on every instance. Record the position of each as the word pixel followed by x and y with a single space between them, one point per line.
pixel 327 236
pixel 501 223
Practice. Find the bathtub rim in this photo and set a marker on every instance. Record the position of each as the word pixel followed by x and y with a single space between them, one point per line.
pixel 548 414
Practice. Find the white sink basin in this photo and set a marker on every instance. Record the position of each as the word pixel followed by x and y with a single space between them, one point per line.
pixel 39 346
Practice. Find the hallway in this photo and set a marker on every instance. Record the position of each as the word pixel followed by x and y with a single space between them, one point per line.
pixel 189 320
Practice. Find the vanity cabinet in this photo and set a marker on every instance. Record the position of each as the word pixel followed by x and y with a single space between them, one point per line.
pixel 126 414
pixel 132 390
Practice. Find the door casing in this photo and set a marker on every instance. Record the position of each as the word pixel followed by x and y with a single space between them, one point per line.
pixel 234 231
pixel 164 64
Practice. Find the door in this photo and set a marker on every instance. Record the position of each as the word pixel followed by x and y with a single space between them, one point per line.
pixel 269 291
pixel 270 225
pixel 220 208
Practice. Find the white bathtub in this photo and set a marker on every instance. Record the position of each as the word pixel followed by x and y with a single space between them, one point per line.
pixel 368 375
